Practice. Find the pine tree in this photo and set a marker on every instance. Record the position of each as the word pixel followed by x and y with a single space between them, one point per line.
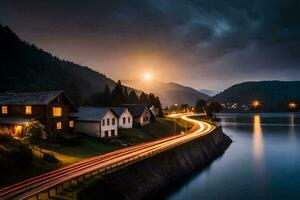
pixel 158 105
pixel 151 100
pixel 132 97
pixel 144 98
pixel 125 95
pixel 106 96
pixel 117 95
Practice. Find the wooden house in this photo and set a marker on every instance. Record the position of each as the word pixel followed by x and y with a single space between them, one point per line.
pixel 52 109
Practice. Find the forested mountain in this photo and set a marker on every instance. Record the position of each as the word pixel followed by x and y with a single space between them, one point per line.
pixel 24 67
pixel 169 93
pixel 273 95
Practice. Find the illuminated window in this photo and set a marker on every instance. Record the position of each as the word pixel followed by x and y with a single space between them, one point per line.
pixel 57 111
pixel 4 110
pixel 58 125
pixel 28 110
pixel 71 124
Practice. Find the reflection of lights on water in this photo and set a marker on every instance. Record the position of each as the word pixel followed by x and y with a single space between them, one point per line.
pixel 258 141
pixel 292 126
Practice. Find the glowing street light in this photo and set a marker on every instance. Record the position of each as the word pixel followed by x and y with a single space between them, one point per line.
pixel 256 104
pixel 292 105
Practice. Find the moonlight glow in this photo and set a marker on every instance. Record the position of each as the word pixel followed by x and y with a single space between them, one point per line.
pixel 148 76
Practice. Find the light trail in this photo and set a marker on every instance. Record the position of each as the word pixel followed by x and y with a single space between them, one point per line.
pixel 117 158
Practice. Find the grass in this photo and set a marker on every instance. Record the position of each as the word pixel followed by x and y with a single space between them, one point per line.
pixel 84 147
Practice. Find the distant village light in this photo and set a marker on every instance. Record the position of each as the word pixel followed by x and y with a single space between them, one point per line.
pixel 256 104
pixel 292 105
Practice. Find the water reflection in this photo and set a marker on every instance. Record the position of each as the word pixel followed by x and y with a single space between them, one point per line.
pixel 292 126
pixel 258 140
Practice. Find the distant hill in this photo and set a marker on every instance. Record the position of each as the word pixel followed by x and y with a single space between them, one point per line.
pixel 169 93
pixel 209 92
pixel 274 95
pixel 24 67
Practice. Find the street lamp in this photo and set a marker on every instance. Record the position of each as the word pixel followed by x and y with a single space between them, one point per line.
pixel 255 104
pixel 292 105
pixel 174 119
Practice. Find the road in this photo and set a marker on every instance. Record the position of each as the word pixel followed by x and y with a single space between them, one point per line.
pixel 104 162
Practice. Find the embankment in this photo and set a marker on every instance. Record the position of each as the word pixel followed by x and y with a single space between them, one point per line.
pixel 149 178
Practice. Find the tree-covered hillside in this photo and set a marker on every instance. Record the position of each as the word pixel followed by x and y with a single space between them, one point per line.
pixel 24 67
pixel 273 95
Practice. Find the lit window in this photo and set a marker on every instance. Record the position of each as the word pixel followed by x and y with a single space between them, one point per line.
pixel 71 124
pixel 28 110
pixel 4 110
pixel 58 125
pixel 57 111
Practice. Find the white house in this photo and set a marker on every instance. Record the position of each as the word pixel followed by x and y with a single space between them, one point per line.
pixel 97 122
pixel 125 117
pixel 141 114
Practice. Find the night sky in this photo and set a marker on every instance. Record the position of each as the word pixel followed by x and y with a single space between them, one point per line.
pixel 202 43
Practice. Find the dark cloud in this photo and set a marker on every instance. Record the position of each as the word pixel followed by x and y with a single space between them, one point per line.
pixel 196 38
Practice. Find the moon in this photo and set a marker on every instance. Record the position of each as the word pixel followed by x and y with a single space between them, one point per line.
pixel 147 76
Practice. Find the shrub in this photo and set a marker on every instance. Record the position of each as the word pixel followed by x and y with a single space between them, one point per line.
pixel 34 133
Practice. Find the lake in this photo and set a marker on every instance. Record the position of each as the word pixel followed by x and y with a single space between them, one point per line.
pixel 263 162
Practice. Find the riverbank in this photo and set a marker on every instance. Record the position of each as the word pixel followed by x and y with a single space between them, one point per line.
pixel 152 177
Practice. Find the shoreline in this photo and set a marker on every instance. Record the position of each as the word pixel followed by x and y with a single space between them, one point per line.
pixel 156 176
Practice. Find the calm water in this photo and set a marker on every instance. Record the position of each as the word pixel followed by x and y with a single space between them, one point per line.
pixel 263 161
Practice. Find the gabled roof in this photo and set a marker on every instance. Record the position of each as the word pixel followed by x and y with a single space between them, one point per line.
pixel 87 113
pixel 32 98
pixel 136 109
pixel 118 110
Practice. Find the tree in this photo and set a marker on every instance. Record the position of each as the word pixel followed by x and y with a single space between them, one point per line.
pixel 34 133
pixel 106 96
pixel 144 98
pixel 125 95
pixel 213 107
pixel 96 99
pixel 132 97
pixel 200 106
pixel 117 95
pixel 158 105
pixel 184 106
pixel 151 100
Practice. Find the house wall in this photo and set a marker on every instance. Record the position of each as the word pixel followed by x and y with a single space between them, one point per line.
pixel 51 121
pixel 145 118
pixel 128 120
pixel 44 114
pixel 88 128
pixel 107 130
